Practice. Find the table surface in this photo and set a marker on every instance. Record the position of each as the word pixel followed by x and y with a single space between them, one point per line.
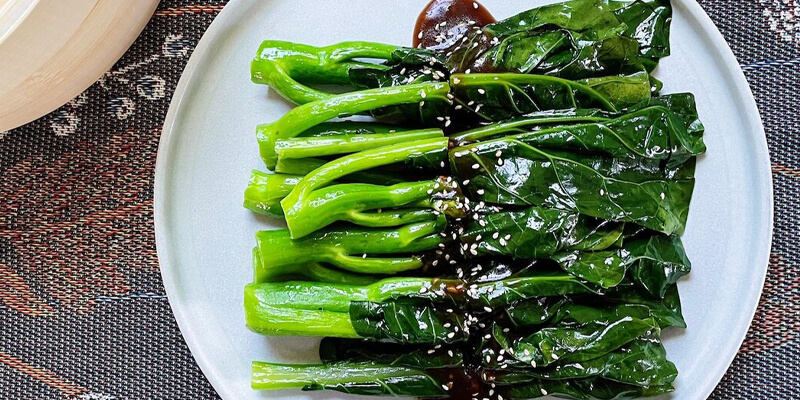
pixel 83 312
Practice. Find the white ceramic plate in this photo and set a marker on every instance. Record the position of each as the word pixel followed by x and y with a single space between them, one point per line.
pixel 208 148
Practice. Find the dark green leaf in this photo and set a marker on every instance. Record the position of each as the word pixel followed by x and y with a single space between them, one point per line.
pixel 334 350
pixel 407 321
pixel 515 173
pixel 658 261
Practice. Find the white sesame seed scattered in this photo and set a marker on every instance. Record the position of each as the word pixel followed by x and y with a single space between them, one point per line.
pixel 491 392
pixel 419 35
pixel 445 387
pixel 430 191
pixel 465 182
pixel 506 330
pixel 447 325
pixel 476 166
pixel 450 353
pixel 602 192
pixel 499 161
pixel 544 392
pixel 495 235
pixel 507 237
pixel 447 123
pixel 423 289
pixel 533 363
pixel 478 108
pixel 431 351
pixel 504 366
pixel 480 191
pixel 555 356
pixel 468 70
pixel 451 335
pixel 481 91
pixel 487 337
pixel 499 358
pixel 456 81
pixel 471 102
pixel 450 96
pixel 423 94
pixel 421 103
pixel 488 309
pixel 498 153
pixel 441 245
pixel 435 262
pixel 403 71
pixel 499 397
pixel 473 252
pixel 663 196
pixel 364 255
pixel 441 164
pixel 474 5
pixel 482 223
pixel 503 242
pixel 478 238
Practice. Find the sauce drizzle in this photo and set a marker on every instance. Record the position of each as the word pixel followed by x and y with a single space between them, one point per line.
pixel 442 21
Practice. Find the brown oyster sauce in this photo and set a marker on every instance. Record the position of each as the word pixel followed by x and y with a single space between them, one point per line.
pixel 446 19
pixel 454 14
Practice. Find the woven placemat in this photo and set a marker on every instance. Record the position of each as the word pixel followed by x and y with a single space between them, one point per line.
pixel 82 309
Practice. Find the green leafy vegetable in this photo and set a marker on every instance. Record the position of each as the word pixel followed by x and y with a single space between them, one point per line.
pixel 308 115
pixel 351 378
pixel 354 249
pixel 508 171
pixel 334 350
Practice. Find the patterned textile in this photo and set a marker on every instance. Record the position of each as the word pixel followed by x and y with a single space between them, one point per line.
pixel 83 313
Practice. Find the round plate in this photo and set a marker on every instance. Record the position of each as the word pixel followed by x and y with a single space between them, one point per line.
pixel 208 148
pixel 52 50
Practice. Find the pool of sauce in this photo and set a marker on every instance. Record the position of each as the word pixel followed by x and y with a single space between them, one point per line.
pixel 446 19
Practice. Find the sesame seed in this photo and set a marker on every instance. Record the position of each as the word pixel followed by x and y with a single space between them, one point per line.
pixel 533 363
pixel 544 392
pixel 431 351
pixel 447 123
pixel 423 289
pixel 481 91
pixel 445 387
pixel 495 235
pixel 447 325
pixel 663 196
pixel 476 166
pixel 473 252
pixel 450 95
pixel 468 70
pixel 507 237
pixel 364 255
pixel 451 335
pixel 503 242
pixel 499 397
pixel 499 358
pixel 478 238
pixel 474 5
pixel 482 223
pixel 441 164
pixel 481 191
pixel 435 262
pixel 471 102
pixel 478 108
pixel 499 161
pixel 506 330
pixel 466 182
pixel 419 35
pixel 504 366
pixel 430 191
pixel 421 103
pixel 456 81
pixel 450 353
pixel 487 337
pixel 488 309
pixel 423 94
pixel 498 153
pixel 555 356
pixel 602 192
pixel 403 71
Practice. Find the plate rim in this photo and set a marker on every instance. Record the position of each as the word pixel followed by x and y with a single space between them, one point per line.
pixel 163 160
